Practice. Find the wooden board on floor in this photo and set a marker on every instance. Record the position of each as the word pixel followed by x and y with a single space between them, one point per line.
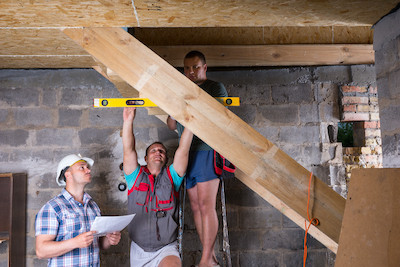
pixel 370 234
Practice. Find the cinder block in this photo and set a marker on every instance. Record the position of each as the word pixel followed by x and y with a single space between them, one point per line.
pixel 36 199
pixel 288 94
pixel 385 58
pixel 390 119
pixel 283 239
pixel 69 117
pixel 309 113
pixel 4 156
pixel 242 196
pixel 19 97
pixel 33 117
pixel 259 218
pixel 49 97
pixel 333 74
pixel 363 74
pixel 300 135
pixel 256 95
pixel 14 138
pixel 288 114
pixel 90 136
pixel 252 240
pixel 58 137
pixel 314 258
pixel 3 115
pixel 266 259
pixel 106 117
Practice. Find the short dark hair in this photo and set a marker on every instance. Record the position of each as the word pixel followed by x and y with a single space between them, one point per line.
pixel 195 53
pixel 158 143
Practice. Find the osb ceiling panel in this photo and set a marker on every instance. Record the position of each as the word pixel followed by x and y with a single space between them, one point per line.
pixel 32 38
pixel 201 13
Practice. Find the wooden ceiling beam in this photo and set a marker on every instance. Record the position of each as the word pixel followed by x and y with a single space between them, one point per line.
pixel 260 160
pixel 219 56
pixel 271 55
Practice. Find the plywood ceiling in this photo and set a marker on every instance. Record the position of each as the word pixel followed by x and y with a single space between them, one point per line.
pixel 32 37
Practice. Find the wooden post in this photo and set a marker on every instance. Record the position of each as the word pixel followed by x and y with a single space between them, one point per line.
pixel 266 169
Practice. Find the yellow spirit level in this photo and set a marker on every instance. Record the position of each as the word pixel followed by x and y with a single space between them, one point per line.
pixel 145 102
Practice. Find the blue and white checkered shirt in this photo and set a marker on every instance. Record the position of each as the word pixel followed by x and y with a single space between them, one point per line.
pixel 66 218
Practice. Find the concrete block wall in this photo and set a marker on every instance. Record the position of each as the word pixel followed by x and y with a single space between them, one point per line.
pixel 46 114
pixel 387 62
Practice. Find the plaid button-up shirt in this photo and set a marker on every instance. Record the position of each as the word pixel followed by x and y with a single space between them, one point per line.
pixel 66 218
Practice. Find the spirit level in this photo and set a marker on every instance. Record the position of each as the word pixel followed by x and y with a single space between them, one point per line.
pixel 145 102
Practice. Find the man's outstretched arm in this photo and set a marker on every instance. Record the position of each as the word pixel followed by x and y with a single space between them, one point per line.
pixel 181 157
pixel 128 141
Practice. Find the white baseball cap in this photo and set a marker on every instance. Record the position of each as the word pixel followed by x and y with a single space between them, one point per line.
pixel 68 161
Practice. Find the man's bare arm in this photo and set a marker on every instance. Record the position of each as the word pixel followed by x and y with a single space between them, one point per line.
pixel 128 141
pixel 46 247
pixel 181 157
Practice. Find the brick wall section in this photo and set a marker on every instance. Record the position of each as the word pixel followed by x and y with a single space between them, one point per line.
pixel 46 114
pixel 359 104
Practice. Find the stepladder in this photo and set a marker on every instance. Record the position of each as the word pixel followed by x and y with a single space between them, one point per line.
pixel 226 257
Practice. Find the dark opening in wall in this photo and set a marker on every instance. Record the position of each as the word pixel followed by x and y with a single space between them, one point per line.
pixel 345 134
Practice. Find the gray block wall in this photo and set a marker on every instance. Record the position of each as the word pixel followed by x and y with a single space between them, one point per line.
pixel 47 114
pixel 387 62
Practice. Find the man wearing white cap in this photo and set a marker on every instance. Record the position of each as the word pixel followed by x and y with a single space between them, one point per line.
pixel 63 224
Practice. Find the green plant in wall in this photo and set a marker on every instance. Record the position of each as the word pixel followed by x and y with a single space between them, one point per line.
pixel 345 134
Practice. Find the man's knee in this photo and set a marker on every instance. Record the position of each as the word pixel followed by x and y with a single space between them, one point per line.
pixel 170 261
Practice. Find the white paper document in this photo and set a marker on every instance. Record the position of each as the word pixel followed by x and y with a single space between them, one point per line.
pixel 108 224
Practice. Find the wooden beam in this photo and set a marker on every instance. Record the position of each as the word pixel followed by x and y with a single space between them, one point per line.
pixel 265 35
pixel 271 55
pixel 220 56
pixel 260 160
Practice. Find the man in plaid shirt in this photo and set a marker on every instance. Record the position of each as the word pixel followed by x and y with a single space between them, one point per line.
pixel 63 224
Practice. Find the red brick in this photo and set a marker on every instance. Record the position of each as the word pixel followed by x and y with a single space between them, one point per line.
pixel 347 116
pixel 349 108
pixel 354 100
pixel 371 124
pixel 354 89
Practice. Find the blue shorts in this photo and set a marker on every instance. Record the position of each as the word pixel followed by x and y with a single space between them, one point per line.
pixel 200 168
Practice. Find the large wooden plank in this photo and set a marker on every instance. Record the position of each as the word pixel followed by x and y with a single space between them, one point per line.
pixel 264 35
pixel 371 224
pixel 272 55
pixel 252 153
pixel 201 13
pixel 217 56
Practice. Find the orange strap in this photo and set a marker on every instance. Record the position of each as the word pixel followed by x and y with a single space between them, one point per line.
pixel 313 221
